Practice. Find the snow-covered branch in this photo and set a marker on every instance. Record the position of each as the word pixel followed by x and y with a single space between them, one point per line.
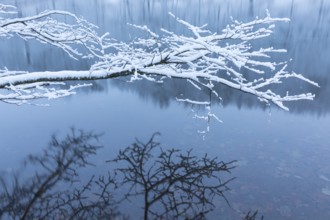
pixel 47 27
pixel 22 94
pixel 203 58
pixel 7 9
pixel 207 59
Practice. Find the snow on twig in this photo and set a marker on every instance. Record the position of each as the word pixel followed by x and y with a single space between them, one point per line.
pixel 193 101
pixel 45 28
pixel 7 9
pixel 204 59
pixel 23 94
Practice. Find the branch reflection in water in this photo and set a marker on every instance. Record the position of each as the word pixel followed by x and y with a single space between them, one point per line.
pixel 173 184
pixel 53 191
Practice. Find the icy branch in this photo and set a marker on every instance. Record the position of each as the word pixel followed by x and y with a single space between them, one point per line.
pixel 203 58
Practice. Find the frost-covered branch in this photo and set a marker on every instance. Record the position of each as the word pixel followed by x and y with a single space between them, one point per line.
pixel 47 27
pixel 7 9
pixel 207 59
pixel 203 58
pixel 22 94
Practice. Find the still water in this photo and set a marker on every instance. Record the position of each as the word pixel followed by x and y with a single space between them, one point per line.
pixel 283 157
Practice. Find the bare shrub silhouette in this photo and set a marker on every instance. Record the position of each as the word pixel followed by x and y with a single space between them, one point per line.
pixel 51 193
pixel 173 184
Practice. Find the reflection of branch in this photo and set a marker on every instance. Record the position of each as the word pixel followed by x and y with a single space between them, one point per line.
pixel 43 195
pixel 252 216
pixel 182 184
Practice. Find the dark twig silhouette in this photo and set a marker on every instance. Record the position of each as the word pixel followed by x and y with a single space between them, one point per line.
pixel 252 216
pixel 49 193
pixel 173 184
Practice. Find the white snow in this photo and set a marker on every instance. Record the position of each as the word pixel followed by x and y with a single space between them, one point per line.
pixel 203 60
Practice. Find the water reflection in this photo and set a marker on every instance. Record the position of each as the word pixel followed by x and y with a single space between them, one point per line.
pixel 283 160
pixel 53 191
pixel 171 184
pixel 251 9
pixel 162 95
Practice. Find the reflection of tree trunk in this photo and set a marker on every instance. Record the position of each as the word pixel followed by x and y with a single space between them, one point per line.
pixel 27 53
pixel 46 186
pixel 199 11
pixel 320 12
pixel 251 9
pixel 288 33
pixel 53 4
pixel 128 15
pixel 291 10
pixel 146 205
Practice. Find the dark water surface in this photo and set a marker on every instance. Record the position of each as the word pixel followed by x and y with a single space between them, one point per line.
pixel 283 157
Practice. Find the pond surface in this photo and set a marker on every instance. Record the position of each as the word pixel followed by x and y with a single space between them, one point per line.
pixel 283 157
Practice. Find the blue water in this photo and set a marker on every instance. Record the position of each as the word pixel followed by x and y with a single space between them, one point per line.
pixel 282 156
